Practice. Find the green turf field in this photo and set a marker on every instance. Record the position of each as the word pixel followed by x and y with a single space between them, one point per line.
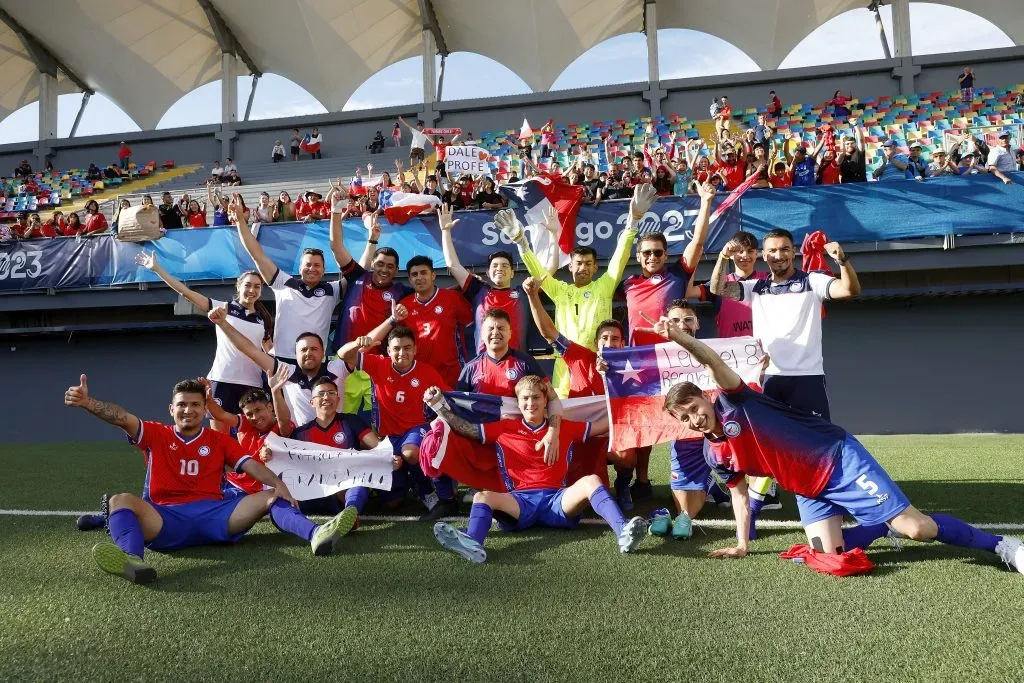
pixel 548 605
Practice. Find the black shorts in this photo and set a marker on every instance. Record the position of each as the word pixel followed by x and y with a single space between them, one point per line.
pixel 227 395
pixel 296 150
pixel 806 393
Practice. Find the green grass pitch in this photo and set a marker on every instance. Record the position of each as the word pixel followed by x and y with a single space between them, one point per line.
pixel 547 606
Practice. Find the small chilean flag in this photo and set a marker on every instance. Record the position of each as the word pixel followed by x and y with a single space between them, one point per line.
pixel 535 196
pixel 400 207
pixel 309 147
pixel 526 131
pixel 638 378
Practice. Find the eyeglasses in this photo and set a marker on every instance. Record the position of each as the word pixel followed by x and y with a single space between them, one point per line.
pixel 656 253
pixel 325 394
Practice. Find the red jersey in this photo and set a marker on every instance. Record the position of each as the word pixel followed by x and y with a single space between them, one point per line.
pixel 784 179
pixel 440 323
pixel 522 466
pixel 486 375
pixel 398 396
pixel 734 174
pixel 94 222
pixel 829 173
pixel 584 379
pixel 484 296
pixel 651 295
pixel 365 305
pixel 197 220
pixel 180 471
pixel 344 431
pixel 251 439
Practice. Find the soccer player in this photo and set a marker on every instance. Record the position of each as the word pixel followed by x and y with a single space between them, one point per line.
pixel 586 379
pixel 734 318
pixel 182 504
pixel 484 296
pixel 439 318
pixel 538 494
pixel 303 303
pixel 582 305
pixel 832 474
pixel 499 366
pixel 786 313
pixel 397 385
pixel 232 373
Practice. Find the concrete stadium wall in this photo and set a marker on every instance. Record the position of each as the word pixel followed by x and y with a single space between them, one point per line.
pixel 893 366
pixel 349 132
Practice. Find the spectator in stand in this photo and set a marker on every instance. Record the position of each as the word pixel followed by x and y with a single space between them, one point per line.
pixel 917 169
pixel 56 226
pixel 230 167
pixel 285 208
pixel 73 226
pixel 372 199
pixel 312 208
pixel 731 167
pixel 216 173
pixel 94 172
pixel 774 105
pixel 33 228
pixel 802 166
pixel 852 162
pixel 547 139
pixel 265 209
pixel 171 215
pixel 238 210
pixel 488 197
pixel 759 166
pixel 1020 159
pixel 385 181
pixel 377 143
pixel 23 170
pixel 966 83
pixel 941 165
pixel 220 206
pixel 431 187
pixel 1000 159
pixel 112 171
pixel 828 167
pixel 593 186
pixel 122 205
pixel 780 176
pixel 971 165
pixel 894 165
pixel 231 178
pixel 95 222
pixel 124 155
pixel 315 138
pixel 762 131
pixel 724 118
pixel 277 153
pixel 664 181
pixel 838 104
pixel 418 146
pixel 396 135
pixel 295 142
pixel 195 214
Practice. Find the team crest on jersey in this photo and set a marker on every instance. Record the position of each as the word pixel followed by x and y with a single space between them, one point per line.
pixel 319 291
pixel 339 438
pixel 387 296
pixel 414 382
pixel 795 286
pixel 204 450
pixel 438 309
pixel 511 373
pixel 731 428
pixel 656 279
pixel 174 446
pixel 513 295
pixel 586 295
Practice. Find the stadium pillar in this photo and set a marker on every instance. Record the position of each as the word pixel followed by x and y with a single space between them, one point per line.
pixel 654 93
pixel 47 116
pixel 228 103
pixel 902 48
pixel 429 115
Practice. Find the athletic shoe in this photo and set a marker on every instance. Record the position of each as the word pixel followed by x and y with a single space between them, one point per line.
pixel 459 542
pixel 660 521
pixel 642 490
pixel 91 522
pixel 1011 551
pixel 682 527
pixel 771 502
pixel 430 500
pixel 632 534
pixel 113 560
pixel 327 535
pixel 444 508
pixel 624 498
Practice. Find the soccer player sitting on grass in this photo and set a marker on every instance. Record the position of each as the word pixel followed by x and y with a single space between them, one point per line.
pixel 182 504
pixel 536 481
pixel 830 472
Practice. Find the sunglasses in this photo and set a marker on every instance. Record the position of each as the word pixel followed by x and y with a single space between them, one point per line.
pixel 656 253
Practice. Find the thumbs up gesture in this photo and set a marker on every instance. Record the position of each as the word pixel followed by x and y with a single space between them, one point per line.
pixel 77 396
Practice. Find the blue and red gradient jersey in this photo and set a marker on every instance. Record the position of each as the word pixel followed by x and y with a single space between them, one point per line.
pixel 485 375
pixel 344 431
pixel 766 438
pixel 483 296
pixel 364 306
pixel 650 295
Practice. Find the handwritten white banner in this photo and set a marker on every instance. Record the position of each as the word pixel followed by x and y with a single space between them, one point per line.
pixel 676 365
pixel 311 471
pixel 467 159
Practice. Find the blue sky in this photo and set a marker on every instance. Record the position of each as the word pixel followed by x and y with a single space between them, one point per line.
pixel 623 59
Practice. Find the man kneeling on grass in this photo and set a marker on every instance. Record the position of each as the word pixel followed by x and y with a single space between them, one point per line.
pixel 747 432
pixel 538 495
pixel 182 504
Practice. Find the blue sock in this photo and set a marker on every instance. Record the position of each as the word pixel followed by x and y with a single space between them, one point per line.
pixel 604 504
pixel 445 487
pixel 479 521
pixel 955 532
pixel 756 503
pixel 126 532
pixel 357 497
pixel 863 535
pixel 288 519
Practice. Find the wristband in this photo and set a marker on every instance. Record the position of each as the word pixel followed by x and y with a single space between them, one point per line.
pixel 843 261
pixel 392 321
pixel 371 241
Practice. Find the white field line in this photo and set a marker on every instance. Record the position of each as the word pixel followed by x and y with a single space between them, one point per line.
pixel 709 523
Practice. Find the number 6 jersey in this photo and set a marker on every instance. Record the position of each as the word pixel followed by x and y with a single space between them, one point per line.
pixel 398 396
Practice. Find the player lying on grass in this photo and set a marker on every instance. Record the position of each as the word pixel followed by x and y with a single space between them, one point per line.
pixel 538 495
pixel 182 504
pixel 830 472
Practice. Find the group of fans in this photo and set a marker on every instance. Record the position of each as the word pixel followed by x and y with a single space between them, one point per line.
pixel 397 350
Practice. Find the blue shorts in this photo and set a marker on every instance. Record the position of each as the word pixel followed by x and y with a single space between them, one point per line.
pixel 858 487
pixel 413 437
pixel 202 522
pixel 539 507
pixel 690 470
pixel 806 393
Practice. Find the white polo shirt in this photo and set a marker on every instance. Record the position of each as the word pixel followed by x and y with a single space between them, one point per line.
pixel 229 364
pixel 299 389
pixel 1002 159
pixel 301 309
pixel 419 140
pixel 787 320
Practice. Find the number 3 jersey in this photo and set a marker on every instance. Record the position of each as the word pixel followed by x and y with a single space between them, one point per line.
pixel 180 470
pixel 766 438
pixel 398 396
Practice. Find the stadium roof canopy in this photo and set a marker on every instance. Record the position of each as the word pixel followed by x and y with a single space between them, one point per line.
pixel 146 54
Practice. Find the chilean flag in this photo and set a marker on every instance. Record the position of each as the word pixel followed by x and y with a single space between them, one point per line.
pixel 535 196
pixel 474 464
pixel 400 207
pixel 309 147
pixel 638 378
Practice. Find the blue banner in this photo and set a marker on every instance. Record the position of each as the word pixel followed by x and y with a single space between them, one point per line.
pixel 53 263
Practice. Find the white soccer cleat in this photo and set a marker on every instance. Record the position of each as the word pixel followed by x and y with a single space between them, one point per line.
pixel 632 534
pixel 1011 551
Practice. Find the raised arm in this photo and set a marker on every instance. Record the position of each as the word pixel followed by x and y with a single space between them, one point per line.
pixel 267 268
pixel 337 231
pixel 451 257
pixel 219 317
pixel 350 351
pixel 695 249
pixel 435 400
pixel 217 412
pixel 506 221
pixel 723 375
pixel 78 397
pixel 545 325
pixel 366 258
pixel 281 410
pixel 644 196
pixel 848 284
pixel 148 261
pixel 402 121
pixel 717 283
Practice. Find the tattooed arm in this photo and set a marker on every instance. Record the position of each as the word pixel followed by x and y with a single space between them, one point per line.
pixel 435 401
pixel 78 397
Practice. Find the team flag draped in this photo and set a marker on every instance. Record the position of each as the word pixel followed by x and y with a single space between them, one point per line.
pixel 538 195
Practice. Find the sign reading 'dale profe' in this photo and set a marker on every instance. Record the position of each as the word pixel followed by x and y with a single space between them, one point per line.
pixel 465 159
